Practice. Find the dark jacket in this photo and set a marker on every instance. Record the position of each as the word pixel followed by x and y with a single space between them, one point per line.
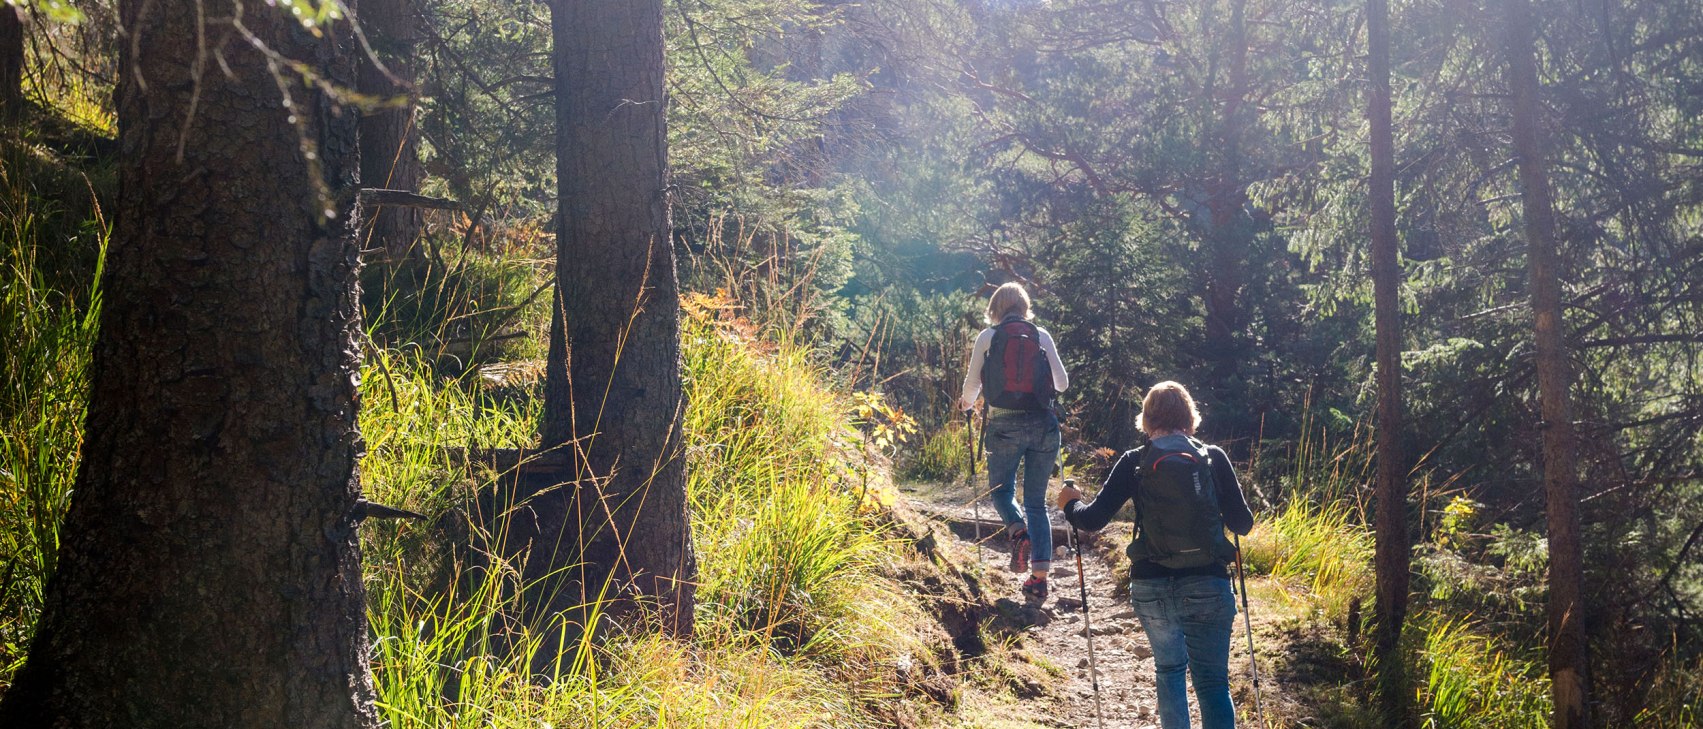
pixel 1121 485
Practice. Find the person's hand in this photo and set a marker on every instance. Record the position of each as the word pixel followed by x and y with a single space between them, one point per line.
pixel 1067 495
pixel 965 404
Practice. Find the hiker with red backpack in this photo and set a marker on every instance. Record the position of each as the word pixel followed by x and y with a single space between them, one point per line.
pixel 1015 367
pixel 1185 495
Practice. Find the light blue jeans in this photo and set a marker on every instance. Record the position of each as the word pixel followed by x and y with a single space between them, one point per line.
pixel 1188 622
pixel 1029 439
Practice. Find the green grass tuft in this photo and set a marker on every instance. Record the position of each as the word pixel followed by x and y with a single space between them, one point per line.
pixel 1318 546
pixel 1318 538
pixel 50 327
pixel 790 555
pixel 797 624
pixel 944 455
pixel 1472 680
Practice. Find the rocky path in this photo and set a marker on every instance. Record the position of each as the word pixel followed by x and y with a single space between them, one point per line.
pixel 1056 630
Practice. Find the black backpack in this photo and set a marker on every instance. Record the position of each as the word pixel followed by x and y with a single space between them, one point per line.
pixel 1016 374
pixel 1178 524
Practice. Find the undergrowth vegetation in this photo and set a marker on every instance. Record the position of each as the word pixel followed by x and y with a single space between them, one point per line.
pixel 798 623
pixel 458 303
pixel 1473 679
pixel 1318 547
pixel 1316 538
pixel 942 455
pixel 49 331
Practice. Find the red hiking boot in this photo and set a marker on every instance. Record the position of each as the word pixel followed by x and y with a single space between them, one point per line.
pixel 1035 589
pixel 1020 552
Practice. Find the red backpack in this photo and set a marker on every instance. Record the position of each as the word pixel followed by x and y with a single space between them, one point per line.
pixel 1016 374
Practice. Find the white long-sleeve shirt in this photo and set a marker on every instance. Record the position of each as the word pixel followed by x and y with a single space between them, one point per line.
pixel 978 354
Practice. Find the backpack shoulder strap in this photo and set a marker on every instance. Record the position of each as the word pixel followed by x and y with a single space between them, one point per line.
pixel 1201 449
pixel 1158 455
pixel 1034 331
pixel 1148 455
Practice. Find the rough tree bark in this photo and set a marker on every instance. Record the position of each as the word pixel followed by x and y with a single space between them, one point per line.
pixel 1230 239
pixel 1569 658
pixel 209 573
pixel 1393 550
pixel 390 157
pixel 1230 236
pixel 11 58
pixel 613 388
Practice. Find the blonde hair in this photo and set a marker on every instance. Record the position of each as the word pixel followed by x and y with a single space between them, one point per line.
pixel 1008 300
pixel 1169 407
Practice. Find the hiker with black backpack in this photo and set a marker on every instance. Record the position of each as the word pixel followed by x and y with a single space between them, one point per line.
pixel 1015 367
pixel 1185 495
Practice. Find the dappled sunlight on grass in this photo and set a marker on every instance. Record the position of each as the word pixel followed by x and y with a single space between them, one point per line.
pixel 798 624
pixel 1317 547
pixel 789 555
pixel 1318 539
pixel 1472 680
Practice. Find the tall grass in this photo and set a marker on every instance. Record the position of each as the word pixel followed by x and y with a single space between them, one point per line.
pixel 1319 541
pixel 799 628
pixel 1318 546
pixel 49 329
pixel 1473 680
pixel 412 421
pixel 790 558
pixel 1675 700
pixel 459 304
pixel 1318 538
pixel 796 625
pixel 944 455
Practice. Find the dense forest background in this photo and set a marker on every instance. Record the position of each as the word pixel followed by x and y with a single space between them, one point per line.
pixel 1182 187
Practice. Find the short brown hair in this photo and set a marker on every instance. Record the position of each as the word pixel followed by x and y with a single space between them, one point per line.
pixel 1008 300
pixel 1167 407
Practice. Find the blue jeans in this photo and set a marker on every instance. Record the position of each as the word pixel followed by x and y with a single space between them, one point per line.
pixel 1030 439
pixel 1188 621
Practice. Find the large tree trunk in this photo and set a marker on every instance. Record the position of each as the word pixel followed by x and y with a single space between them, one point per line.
pixel 1393 550
pixel 390 157
pixel 11 58
pixel 1230 240
pixel 613 377
pixel 1568 651
pixel 209 573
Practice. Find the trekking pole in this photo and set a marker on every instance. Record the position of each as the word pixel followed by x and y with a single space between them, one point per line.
pixel 1087 624
pixel 1248 626
pixel 975 455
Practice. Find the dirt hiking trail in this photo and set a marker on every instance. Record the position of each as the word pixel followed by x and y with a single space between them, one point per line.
pixel 1053 634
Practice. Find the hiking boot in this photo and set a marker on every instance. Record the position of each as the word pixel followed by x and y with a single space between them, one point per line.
pixel 1035 589
pixel 1020 552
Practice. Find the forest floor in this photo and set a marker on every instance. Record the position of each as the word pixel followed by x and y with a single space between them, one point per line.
pixel 1052 636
